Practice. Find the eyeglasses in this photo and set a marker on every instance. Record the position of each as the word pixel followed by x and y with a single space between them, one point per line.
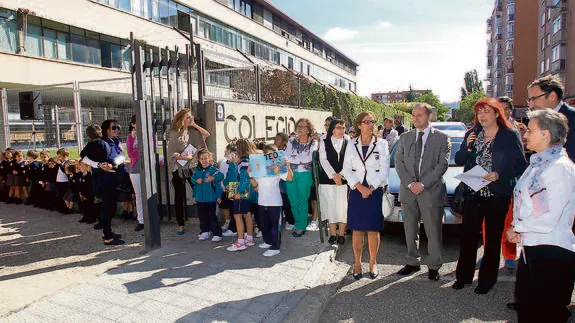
pixel 116 128
pixel 340 127
pixel 368 122
pixel 533 98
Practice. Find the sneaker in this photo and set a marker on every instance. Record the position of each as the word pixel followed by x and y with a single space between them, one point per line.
pixel 226 225
pixel 509 264
pixel 204 236
pixel 229 233
pixel 264 245
pixel 289 227
pixel 250 241
pixel 312 226
pixel 271 253
pixel 237 246
pixel 259 235
pixel 216 239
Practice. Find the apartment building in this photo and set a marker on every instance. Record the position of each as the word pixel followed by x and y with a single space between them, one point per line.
pixel 398 96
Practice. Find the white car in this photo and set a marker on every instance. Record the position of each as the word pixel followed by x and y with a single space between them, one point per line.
pixel 451 128
pixel 450 183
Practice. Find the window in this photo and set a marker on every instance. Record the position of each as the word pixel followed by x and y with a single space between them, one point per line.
pixel 548 14
pixel 8 31
pixel 543 20
pixel 290 63
pixel 125 5
pixel 164 12
pixel 34 39
pixel 542 67
pixel 556 53
pixel 557 24
pixel 510 9
pixel 548 36
pixel 79 51
pixel 93 48
pixel 547 61
pixel 258 13
pixel 173 14
pixel 155 10
pixel 111 53
pixel 542 44
pixel 55 44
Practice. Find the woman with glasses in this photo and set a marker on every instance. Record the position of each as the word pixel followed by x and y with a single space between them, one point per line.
pixel 184 131
pixel 332 185
pixel 366 169
pixel 299 152
pixel 496 147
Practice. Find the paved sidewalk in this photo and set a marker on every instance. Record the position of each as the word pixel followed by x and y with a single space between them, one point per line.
pixel 186 280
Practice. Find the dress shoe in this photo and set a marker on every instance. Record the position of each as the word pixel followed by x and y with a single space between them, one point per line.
pixel 357 276
pixel 341 240
pixel 458 285
pixel 98 226
pixel 332 240
pixel 512 306
pixel 373 275
pixel 480 290
pixel 114 242
pixel 139 227
pixel 408 270
pixel 433 274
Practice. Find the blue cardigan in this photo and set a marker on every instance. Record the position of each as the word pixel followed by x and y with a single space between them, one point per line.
pixel 207 192
pixel 508 160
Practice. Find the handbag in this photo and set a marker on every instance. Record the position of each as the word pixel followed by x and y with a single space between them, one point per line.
pixel 387 203
pixel 458 201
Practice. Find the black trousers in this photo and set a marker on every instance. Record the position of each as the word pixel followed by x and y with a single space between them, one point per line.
pixel 270 219
pixel 255 209
pixel 208 219
pixel 179 184
pixel 109 196
pixel 287 209
pixel 493 210
pixel 545 279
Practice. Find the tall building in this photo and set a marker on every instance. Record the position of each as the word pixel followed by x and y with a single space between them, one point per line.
pixel 398 96
pixel 511 49
pixel 51 42
pixel 556 39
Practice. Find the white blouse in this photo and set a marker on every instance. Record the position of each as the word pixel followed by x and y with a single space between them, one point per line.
pixel 546 217
pixel 300 155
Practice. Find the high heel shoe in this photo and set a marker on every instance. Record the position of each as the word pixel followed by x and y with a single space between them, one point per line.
pixel 373 274
pixel 357 276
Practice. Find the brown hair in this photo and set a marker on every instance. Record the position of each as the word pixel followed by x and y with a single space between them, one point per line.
pixel 548 84
pixel 178 122
pixel 245 147
pixel 71 168
pixel 43 152
pixel 359 119
pixel 93 131
pixel 33 153
pixel 63 152
pixel 310 127
pixel 17 153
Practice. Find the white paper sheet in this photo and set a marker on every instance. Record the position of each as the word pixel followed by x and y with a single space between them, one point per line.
pixel 474 178
pixel 189 151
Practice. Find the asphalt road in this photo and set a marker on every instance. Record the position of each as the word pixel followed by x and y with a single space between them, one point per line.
pixel 394 298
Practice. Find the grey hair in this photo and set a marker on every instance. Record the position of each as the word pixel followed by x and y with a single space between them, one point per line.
pixel 554 122
pixel 427 107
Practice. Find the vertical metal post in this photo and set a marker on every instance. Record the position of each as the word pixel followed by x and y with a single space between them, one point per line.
pixel 201 83
pixel 5 125
pixel 169 79
pixel 258 84
pixel 299 93
pixel 145 147
pixel 154 121
pixel 189 59
pixel 57 123
pixel 177 78
pixel 78 113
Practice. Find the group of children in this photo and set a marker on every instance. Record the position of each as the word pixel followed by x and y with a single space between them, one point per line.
pixel 52 183
pixel 242 200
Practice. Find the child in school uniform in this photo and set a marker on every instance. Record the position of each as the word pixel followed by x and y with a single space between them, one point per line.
pixel 242 202
pixel 270 207
pixel 8 155
pixel 3 186
pixel 62 180
pixel 34 173
pixel 207 194
pixel 41 198
pixel 50 172
pixel 229 169
pixel 72 194
pixel 19 170
pixel 89 210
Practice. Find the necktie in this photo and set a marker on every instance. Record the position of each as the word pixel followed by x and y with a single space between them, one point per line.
pixel 418 149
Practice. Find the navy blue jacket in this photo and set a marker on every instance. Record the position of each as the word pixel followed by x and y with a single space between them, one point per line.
pixel 569 112
pixel 507 158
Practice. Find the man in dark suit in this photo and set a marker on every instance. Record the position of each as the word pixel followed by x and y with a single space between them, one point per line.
pixel 398 121
pixel 421 160
pixel 547 93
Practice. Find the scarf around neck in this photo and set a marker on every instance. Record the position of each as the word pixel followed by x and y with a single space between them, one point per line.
pixel 538 163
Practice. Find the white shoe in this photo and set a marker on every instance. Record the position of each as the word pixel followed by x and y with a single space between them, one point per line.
pixel 271 253
pixel 204 236
pixel 289 227
pixel 216 239
pixel 237 246
pixel 259 235
pixel 264 245
pixel 229 233
pixel 226 225
pixel 312 226
pixel 250 241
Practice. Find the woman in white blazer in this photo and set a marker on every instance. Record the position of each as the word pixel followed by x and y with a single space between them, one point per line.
pixel 366 169
pixel 544 204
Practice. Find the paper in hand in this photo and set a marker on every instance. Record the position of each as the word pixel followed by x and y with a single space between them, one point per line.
pixel 474 178
pixel 189 151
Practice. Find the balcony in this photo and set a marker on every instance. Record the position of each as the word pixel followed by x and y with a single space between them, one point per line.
pixel 499 37
pixel 509 70
pixel 558 65
pixel 489 63
pixel 511 17
pixel 509 53
pixel 560 36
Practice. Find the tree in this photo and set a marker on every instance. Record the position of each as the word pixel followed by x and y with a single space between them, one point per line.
pixel 430 98
pixel 411 96
pixel 472 84
pixel 465 112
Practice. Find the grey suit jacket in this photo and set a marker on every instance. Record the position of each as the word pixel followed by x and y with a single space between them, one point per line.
pixel 434 164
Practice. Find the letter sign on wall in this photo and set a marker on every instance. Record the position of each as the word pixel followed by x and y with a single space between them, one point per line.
pixel 220 112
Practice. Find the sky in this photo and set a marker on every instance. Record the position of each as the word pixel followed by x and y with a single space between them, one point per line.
pixel 429 44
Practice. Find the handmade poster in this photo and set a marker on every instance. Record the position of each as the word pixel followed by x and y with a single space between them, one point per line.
pixel 267 165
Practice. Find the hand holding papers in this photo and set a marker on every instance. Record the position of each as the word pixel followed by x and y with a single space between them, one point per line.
pixel 189 151
pixel 474 178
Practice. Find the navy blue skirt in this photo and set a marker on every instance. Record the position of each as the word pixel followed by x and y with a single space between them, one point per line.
pixel 365 214
pixel 242 206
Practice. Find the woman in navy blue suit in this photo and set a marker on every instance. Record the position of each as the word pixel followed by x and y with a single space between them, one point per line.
pixel 495 146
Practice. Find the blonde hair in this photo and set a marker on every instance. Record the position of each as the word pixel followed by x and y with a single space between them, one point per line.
pixel 178 122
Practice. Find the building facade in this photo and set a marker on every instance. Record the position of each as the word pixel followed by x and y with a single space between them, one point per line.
pixel 50 42
pixel 398 96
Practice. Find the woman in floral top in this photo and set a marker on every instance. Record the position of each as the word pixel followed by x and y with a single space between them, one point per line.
pixel 495 146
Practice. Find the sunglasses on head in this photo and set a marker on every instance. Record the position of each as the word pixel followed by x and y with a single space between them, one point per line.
pixel 116 127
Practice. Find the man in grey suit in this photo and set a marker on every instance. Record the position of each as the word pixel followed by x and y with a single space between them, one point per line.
pixel 421 159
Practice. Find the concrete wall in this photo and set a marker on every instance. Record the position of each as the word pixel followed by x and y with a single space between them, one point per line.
pixel 251 121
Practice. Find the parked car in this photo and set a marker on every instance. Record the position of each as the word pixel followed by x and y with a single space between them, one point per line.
pixel 451 128
pixel 450 182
